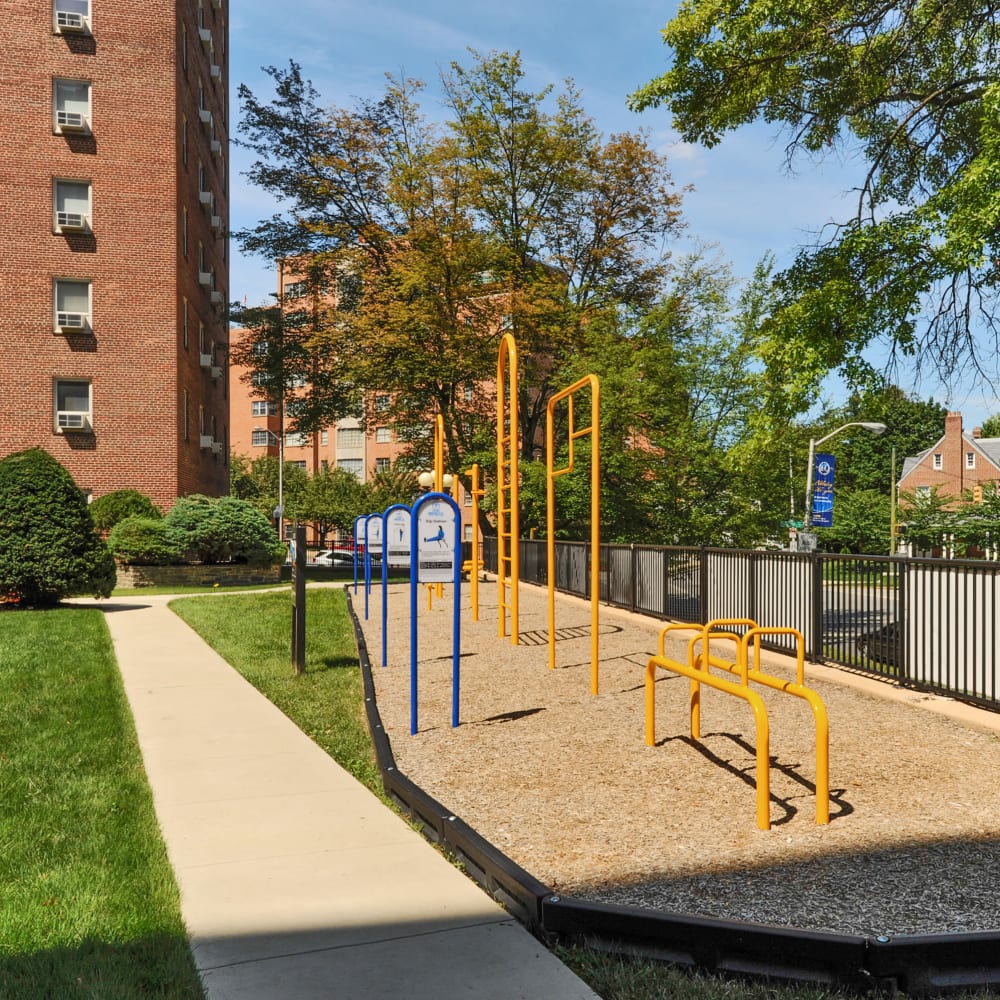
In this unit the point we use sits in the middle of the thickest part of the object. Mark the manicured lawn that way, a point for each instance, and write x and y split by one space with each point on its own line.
88 903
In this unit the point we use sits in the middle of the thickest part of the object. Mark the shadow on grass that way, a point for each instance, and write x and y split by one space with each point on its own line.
332 663
157 966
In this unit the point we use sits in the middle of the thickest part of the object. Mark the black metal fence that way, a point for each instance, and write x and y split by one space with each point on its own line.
931 624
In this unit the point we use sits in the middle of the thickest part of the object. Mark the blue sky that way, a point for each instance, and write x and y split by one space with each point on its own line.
744 200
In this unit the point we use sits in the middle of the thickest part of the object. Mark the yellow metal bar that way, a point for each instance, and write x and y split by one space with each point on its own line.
594 430
750 697
476 492
508 502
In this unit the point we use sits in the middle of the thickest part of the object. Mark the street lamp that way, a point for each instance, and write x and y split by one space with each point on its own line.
279 511
874 427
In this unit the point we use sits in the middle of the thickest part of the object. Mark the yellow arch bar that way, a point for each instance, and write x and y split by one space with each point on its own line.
573 433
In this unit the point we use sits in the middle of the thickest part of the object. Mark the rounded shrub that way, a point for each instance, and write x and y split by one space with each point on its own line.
223 529
49 548
143 541
114 507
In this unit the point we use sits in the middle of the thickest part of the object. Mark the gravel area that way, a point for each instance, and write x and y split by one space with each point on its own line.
562 782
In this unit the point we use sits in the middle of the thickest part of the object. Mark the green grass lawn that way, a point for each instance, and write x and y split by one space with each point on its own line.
88 903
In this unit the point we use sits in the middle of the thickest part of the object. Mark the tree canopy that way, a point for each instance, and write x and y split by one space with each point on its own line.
913 86
513 214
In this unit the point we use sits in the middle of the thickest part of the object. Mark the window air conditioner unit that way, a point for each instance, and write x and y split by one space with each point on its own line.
206 440
217 223
216 371
71 321
71 220
205 115
216 147
216 447
206 38
71 420
217 4
215 71
206 360
71 121
206 197
205 278
67 20
217 298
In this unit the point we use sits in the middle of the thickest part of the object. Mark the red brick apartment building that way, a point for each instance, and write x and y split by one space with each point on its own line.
957 461
362 450
114 278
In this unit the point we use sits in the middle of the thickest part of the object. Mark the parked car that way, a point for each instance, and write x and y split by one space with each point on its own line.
882 645
334 557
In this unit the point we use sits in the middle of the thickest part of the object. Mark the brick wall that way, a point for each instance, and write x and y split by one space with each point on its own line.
134 357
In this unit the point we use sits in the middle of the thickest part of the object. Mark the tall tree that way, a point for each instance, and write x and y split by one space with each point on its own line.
515 214
915 87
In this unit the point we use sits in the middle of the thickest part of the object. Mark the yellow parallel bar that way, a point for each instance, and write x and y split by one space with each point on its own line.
739 691
508 529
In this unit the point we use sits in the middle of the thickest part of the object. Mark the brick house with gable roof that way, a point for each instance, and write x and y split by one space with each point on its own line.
957 461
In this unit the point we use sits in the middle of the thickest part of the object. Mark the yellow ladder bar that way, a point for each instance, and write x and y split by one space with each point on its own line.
508 510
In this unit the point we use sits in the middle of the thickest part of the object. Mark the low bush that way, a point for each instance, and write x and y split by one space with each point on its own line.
115 507
223 529
143 541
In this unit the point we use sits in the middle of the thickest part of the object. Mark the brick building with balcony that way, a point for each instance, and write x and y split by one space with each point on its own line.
114 280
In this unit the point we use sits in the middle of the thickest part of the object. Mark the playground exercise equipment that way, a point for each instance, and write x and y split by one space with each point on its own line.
746 668
508 510
551 474
477 493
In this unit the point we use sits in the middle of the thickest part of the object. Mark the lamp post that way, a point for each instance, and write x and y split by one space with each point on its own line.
874 427
279 511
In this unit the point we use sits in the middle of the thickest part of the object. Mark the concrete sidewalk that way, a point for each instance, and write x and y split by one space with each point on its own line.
296 882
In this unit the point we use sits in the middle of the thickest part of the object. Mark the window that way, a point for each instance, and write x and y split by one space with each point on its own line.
382 465
300 464
71 105
184 231
184 47
468 392
383 435
262 408
350 437
71 205
467 498
938 461
184 140
261 439
72 306
72 399
295 289
324 438
71 16
923 491
295 407
184 322
259 378
202 342
296 440
970 459
353 465
381 403
186 415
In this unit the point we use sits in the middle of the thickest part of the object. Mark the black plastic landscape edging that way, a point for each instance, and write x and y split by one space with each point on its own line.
918 965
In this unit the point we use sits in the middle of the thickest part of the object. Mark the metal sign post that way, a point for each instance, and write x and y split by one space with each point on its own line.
396 534
299 599
435 547
373 546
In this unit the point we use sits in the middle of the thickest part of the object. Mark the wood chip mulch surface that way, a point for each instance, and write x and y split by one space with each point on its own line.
563 783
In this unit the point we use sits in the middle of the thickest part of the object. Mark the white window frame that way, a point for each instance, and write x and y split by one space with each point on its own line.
260 439
67 126
61 318
263 408
296 439
922 491
72 419
63 221
938 460
382 402
71 17
382 465
970 459
356 466
350 438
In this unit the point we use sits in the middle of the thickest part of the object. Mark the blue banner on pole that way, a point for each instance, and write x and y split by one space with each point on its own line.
822 499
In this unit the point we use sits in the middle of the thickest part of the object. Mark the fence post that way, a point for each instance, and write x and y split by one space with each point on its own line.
703 584
815 641
903 630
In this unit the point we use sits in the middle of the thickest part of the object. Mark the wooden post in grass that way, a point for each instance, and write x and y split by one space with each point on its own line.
299 600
